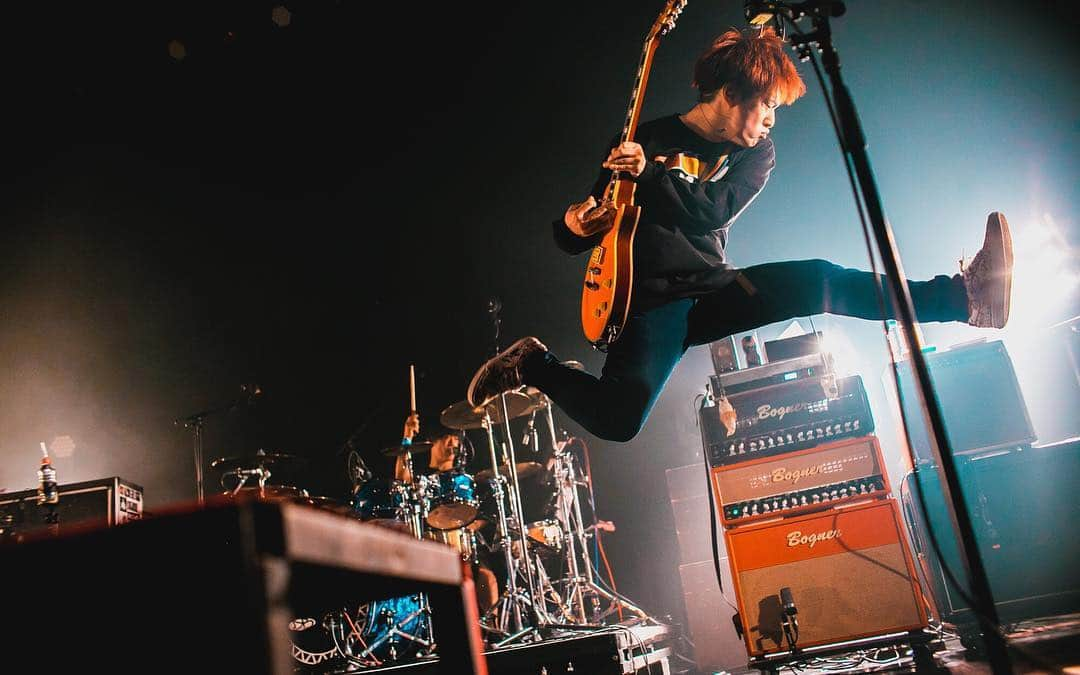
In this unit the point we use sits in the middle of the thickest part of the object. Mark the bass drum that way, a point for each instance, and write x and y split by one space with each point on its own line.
392 631
312 646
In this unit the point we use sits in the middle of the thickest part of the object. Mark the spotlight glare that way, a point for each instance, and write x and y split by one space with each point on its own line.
177 50
281 16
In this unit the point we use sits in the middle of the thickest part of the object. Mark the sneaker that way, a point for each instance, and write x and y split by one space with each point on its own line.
988 277
501 372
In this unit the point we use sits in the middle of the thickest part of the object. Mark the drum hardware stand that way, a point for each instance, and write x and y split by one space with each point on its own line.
367 654
261 473
509 605
578 586
518 511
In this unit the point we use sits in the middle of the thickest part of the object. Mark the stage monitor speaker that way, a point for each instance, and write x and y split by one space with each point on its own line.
717 647
1023 508
980 399
107 501
213 589
849 572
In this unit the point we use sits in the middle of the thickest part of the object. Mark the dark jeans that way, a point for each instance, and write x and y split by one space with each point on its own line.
616 405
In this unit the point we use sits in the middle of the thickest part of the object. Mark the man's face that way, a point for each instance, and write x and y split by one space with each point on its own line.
754 119
444 450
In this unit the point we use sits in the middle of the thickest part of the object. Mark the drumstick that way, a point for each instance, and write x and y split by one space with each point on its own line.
412 389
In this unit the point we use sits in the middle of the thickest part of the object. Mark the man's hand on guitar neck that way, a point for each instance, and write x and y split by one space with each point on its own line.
586 218
626 157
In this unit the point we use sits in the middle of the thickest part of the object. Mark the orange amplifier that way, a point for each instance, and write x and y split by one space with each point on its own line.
799 482
846 573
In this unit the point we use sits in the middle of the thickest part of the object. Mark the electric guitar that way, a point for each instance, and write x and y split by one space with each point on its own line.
609 274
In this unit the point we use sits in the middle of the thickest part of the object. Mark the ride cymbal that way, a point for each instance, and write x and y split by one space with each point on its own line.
461 415
524 470
259 460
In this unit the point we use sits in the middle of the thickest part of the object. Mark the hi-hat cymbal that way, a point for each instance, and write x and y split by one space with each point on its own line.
411 449
524 470
259 460
461 415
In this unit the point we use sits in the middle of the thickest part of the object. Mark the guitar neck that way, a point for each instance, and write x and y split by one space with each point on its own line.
641 79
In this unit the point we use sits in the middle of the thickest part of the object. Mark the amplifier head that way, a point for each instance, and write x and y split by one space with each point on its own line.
798 482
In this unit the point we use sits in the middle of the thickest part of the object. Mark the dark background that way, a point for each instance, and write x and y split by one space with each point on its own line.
315 207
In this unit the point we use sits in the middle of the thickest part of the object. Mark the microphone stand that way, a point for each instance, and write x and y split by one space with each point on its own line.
853 143
195 422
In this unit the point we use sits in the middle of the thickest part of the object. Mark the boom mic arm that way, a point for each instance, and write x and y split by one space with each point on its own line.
760 12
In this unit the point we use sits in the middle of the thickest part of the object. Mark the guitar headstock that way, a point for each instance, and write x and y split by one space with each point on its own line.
665 23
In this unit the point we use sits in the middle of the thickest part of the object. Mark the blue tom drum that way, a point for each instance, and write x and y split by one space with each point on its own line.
452 501
380 502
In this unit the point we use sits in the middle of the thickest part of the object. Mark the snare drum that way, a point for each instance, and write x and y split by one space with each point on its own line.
452 500
461 540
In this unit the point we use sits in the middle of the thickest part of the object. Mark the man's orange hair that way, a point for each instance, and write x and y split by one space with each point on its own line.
747 65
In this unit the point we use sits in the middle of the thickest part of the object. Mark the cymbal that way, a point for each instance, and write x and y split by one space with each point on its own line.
461 415
318 501
524 470
259 460
411 449
283 493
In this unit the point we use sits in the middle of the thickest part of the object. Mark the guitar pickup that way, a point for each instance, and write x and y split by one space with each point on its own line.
597 257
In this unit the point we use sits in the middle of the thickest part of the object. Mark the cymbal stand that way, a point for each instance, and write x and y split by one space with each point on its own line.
519 512
509 605
563 473
579 586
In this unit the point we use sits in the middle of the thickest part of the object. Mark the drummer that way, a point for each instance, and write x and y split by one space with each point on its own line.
445 455
445 450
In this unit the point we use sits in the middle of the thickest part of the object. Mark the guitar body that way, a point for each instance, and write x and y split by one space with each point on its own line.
609 274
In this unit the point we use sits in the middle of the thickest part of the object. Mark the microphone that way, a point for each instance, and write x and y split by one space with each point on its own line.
788 602
529 429
493 305
788 622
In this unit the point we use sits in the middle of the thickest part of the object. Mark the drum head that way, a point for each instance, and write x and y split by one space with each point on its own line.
312 644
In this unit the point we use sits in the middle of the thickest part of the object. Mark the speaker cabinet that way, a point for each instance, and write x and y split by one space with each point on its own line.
717 647
849 570
980 399
1023 507
107 501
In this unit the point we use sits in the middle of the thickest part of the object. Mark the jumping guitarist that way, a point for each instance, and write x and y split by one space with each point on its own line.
693 174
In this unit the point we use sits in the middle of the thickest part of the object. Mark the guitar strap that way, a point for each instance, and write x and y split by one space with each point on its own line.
712 173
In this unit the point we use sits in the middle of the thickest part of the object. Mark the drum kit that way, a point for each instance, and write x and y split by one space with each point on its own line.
548 584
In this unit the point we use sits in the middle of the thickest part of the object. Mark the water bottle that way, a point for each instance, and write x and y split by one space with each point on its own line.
47 490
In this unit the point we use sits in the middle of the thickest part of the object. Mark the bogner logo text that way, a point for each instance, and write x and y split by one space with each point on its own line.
764 412
782 475
797 538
